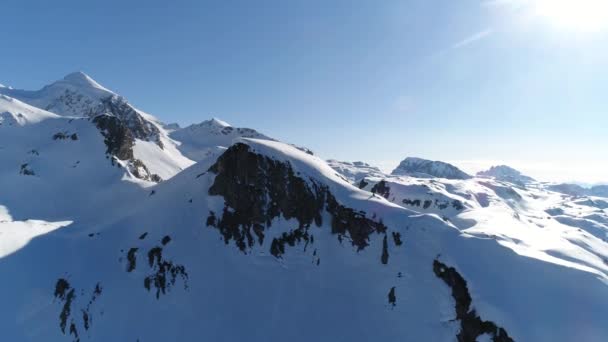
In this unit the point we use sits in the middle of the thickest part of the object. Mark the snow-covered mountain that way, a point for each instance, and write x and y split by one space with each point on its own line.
132 137
199 141
506 174
424 168
355 171
258 240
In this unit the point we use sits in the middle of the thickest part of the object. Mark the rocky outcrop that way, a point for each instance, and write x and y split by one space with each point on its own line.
382 189
120 140
138 126
471 325
118 137
66 294
257 189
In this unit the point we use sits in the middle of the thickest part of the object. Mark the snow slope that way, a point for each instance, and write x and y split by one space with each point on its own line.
259 240
355 171
329 289
78 95
15 112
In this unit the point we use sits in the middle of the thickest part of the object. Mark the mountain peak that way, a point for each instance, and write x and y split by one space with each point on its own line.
505 173
81 79
215 122
418 167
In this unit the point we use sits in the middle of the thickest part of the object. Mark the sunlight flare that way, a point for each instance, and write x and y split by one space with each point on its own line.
580 15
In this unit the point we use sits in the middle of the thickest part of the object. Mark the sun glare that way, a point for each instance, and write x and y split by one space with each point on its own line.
581 15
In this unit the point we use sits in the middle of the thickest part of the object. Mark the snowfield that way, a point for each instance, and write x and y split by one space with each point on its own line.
117 227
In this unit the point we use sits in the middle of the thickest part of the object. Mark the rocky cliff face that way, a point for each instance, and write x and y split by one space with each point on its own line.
258 189
139 127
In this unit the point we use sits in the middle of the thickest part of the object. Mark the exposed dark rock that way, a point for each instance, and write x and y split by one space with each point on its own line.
67 294
139 127
155 253
382 189
384 257
362 183
471 325
118 138
277 247
414 203
140 170
441 205
392 298
74 332
257 189
132 259
61 287
165 273
143 236
65 136
166 239
457 205
155 178
397 238
26 170
211 219
427 204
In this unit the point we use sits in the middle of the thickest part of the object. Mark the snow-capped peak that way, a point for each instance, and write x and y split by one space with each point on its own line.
424 168
505 173
81 79
197 141
216 122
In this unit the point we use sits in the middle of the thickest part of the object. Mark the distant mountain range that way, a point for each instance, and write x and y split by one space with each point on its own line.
115 226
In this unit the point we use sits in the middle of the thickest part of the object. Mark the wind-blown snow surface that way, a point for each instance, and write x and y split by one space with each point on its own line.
261 241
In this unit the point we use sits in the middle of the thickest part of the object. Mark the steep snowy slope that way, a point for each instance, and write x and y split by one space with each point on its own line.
54 167
143 141
267 243
16 113
424 168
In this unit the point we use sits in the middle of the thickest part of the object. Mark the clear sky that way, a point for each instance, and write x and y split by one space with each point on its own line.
523 82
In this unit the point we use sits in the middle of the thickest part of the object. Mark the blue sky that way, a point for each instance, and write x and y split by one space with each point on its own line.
474 82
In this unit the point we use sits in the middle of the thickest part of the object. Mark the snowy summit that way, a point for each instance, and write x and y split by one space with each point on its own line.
419 167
